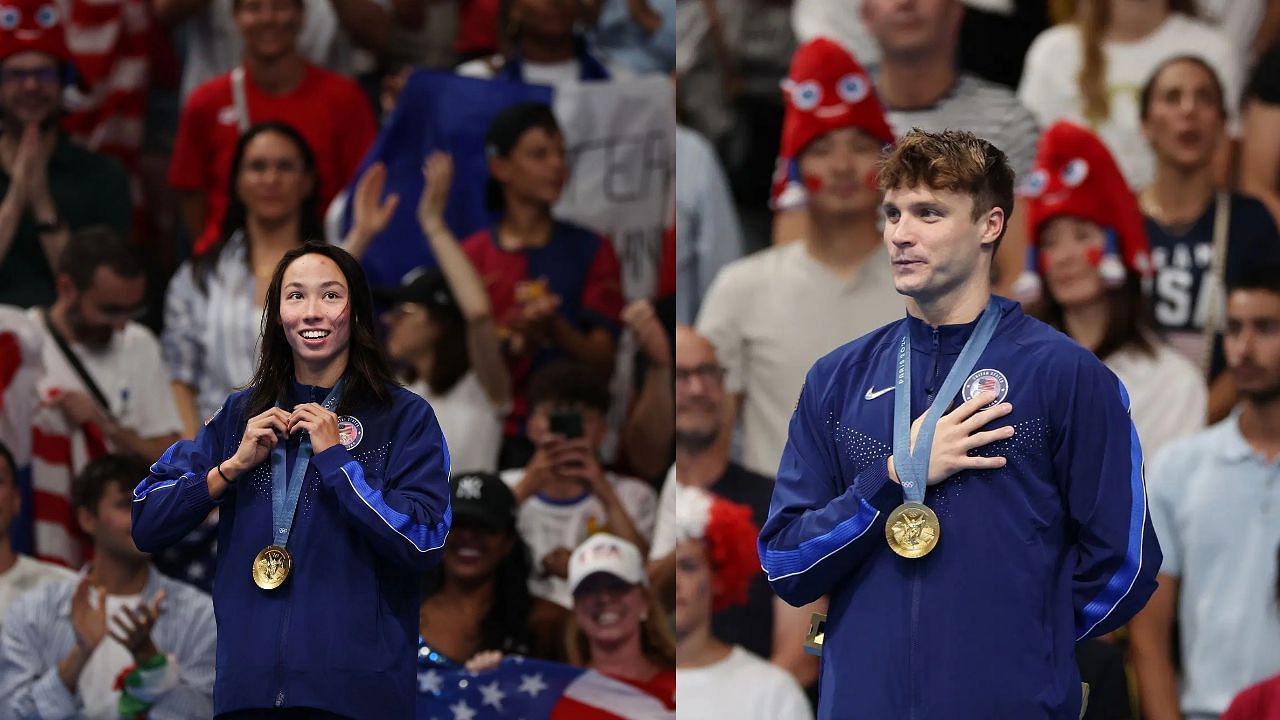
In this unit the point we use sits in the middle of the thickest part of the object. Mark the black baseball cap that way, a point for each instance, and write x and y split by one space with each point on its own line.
425 288
484 498
505 131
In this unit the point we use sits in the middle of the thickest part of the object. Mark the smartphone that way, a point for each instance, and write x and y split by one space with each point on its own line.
566 423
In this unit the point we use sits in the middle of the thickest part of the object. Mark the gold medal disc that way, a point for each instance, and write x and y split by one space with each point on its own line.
271 567
912 530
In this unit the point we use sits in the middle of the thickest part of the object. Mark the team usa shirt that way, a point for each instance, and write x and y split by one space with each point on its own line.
1054 547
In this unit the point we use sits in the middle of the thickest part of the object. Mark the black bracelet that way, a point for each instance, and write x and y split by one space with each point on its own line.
225 479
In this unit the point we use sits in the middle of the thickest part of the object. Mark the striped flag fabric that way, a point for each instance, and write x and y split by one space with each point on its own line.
527 688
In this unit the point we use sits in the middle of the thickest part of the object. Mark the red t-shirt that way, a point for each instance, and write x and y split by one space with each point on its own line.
1259 702
577 265
477 27
329 110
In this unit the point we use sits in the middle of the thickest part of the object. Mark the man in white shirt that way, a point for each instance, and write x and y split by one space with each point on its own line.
772 314
101 287
18 573
1215 505
715 560
65 644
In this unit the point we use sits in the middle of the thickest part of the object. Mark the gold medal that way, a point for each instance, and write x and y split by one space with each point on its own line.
912 530
271 567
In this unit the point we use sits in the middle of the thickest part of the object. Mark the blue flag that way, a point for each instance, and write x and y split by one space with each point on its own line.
436 111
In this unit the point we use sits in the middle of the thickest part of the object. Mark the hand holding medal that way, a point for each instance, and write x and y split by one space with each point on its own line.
316 421
259 439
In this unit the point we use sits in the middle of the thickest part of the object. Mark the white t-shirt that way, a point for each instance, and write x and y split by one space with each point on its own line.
771 315
664 532
1167 395
547 524
130 372
97 681
741 686
1239 19
1050 88
472 424
27 574
214 45
839 20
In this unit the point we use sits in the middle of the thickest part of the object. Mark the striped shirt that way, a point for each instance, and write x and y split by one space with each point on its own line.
211 338
988 110
37 634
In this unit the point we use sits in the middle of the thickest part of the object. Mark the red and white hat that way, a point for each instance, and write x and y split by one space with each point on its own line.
730 535
1075 175
827 89
36 25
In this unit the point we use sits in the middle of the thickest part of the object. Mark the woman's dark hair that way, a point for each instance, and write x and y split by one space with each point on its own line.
1128 322
506 626
1149 88
310 226
368 376
452 360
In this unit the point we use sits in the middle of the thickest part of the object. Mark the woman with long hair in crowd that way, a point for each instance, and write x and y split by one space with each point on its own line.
1090 71
618 628
1088 258
213 308
332 482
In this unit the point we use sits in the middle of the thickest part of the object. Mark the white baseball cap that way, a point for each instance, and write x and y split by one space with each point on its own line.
606 553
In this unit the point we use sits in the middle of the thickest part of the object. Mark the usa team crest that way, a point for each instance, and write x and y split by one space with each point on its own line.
982 381
350 432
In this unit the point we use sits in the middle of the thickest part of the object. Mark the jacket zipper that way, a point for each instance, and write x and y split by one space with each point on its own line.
914 627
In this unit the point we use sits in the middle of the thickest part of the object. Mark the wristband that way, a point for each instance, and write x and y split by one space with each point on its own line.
225 479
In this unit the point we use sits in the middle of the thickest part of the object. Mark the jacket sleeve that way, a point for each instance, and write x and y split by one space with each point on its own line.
174 498
819 529
1098 464
404 510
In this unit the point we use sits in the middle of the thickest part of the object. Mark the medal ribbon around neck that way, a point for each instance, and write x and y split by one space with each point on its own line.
284 497
912 464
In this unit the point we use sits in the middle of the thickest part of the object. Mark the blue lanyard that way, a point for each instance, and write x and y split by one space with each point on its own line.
284 498
912 465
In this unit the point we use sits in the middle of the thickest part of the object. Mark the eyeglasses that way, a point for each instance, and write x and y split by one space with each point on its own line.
19 76
707 373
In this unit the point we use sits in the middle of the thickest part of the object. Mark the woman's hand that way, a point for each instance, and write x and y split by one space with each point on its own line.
261 434
320 424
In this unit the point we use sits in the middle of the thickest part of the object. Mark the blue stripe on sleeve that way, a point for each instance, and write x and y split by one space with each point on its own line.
1122 581
779 564
424 538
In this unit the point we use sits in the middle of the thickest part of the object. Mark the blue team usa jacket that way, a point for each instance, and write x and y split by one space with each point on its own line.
1054 547
341 634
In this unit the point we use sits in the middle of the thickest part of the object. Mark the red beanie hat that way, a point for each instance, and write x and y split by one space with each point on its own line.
1075 175
826 90
35 25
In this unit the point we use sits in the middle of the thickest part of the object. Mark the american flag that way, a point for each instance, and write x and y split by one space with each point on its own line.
48 451
523 688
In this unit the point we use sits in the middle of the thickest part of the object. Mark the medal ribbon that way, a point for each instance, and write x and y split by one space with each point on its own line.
911 464
284 498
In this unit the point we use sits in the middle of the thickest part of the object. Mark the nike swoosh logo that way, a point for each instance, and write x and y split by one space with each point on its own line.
872 395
